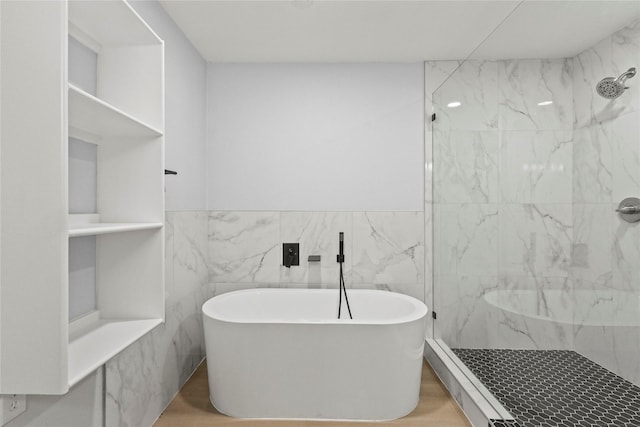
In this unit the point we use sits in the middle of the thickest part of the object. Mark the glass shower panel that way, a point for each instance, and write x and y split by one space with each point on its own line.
465 195
529 165
606 169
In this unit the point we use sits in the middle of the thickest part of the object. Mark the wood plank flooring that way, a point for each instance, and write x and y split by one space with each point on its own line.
191 408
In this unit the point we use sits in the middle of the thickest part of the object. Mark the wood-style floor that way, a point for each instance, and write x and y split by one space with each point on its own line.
191 408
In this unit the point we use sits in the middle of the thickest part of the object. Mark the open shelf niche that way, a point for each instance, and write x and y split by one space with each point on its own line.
41 350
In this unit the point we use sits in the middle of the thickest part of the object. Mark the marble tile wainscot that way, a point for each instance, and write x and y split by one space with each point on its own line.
142 380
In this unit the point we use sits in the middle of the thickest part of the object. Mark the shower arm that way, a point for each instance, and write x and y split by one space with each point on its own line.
626 75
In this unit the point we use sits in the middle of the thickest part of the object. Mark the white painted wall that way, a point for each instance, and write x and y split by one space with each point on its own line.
315 137
83 66
82 276
185 100
83 167
81 407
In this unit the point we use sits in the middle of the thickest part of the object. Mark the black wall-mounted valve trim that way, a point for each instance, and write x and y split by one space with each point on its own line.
290 254
170 172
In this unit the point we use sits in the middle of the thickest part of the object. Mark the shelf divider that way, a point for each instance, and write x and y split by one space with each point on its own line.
90 225
93 115
115 227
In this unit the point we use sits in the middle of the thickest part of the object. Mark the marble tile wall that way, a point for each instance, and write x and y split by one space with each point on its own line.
606 170
526 174
501 194
383 250
215 252
143 379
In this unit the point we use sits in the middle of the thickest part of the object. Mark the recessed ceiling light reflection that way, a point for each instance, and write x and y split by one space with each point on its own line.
543 103
454 104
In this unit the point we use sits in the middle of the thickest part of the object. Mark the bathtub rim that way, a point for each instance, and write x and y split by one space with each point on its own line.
419 312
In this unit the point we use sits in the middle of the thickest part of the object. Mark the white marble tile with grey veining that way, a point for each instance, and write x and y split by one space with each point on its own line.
428 265
607 160
428 166
190 246
465 240
625 54
388 247
626 252
592 247
535 239
468 100
606 308
223 288
589 67
318 234
185 338
534 313
535 166
535 94
143 378
623 135
134 389
244 246
536 283
609 58
414 290
462 311
428 299
161 341
465 166
592 165
435 74
519 332
168 254
614 347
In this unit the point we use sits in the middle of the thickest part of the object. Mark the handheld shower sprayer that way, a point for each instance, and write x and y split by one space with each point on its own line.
343 288
611 88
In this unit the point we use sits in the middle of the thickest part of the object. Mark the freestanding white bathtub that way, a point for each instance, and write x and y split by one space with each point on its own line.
281 353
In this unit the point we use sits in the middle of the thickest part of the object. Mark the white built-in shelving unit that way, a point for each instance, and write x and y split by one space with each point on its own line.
41 350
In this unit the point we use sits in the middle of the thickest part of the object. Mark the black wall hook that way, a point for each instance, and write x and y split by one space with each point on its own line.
168 172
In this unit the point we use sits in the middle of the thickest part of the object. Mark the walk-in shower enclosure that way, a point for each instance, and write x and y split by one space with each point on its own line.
528 166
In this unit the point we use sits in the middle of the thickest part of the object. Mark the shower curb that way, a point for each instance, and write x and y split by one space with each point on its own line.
479 411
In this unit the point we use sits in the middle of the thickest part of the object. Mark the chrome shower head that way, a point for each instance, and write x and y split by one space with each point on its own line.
611 88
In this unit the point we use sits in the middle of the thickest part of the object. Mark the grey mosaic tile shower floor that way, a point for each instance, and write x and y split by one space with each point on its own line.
555 388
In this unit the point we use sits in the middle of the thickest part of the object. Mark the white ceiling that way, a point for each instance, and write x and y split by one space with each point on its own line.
396 30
